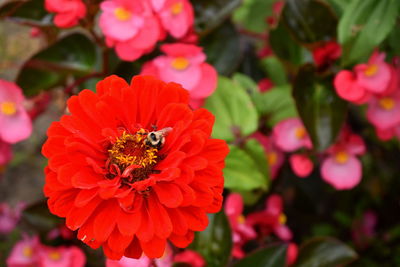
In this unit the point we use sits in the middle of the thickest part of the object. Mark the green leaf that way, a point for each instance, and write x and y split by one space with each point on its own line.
39 217
222 48
75 55
275 70
324 252
214 243
256 151
235 113
252 14
364 25
278 104
321 110
210 14
27 11
284 46
309 21
273 256
242 172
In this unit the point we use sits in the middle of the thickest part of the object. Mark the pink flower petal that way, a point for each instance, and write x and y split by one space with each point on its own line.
342 175
347 87
301 165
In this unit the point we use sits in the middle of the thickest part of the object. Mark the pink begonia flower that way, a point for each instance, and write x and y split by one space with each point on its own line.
9 217
271 219
24 253
347 87
184 64
275 157
384 112
242 231
327 53
177 17
342 169
5 153
301 165
68 12
374 76
387 134
130 26
190 257
290 135
60 256
15 124
292 253
265 85
165 261
363 229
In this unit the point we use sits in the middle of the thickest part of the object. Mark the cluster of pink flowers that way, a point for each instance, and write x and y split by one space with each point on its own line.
376 84
270 220
30 252
9 217
340 166
15 124
133 27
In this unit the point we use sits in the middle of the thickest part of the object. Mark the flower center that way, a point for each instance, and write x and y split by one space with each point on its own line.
282 218
54 255
177 8
371 70
300 132
8 108
27 252
180 63
341 157
387 103
241 219
272 158
131 157
122 14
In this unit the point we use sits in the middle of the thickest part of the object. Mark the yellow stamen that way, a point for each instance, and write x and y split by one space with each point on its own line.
54 255
387 103
122 14
272 158
282 218
300 132
130 149
177 8
341 157
241 219
371 70
27 252
180 63
8 108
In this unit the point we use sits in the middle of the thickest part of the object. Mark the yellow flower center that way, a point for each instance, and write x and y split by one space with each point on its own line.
180 63
122 14
300 132
54 255
282 218
371 70
272 158
387 103
341 157
177 8
8 108
130 149
27 252
241 219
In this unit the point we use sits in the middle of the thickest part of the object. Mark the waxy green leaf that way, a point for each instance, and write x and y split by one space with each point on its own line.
321 110
273 256
214 243
325 251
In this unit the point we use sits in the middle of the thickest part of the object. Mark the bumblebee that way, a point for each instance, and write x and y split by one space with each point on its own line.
156 139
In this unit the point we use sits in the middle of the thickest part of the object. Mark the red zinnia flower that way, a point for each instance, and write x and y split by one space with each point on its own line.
133 166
